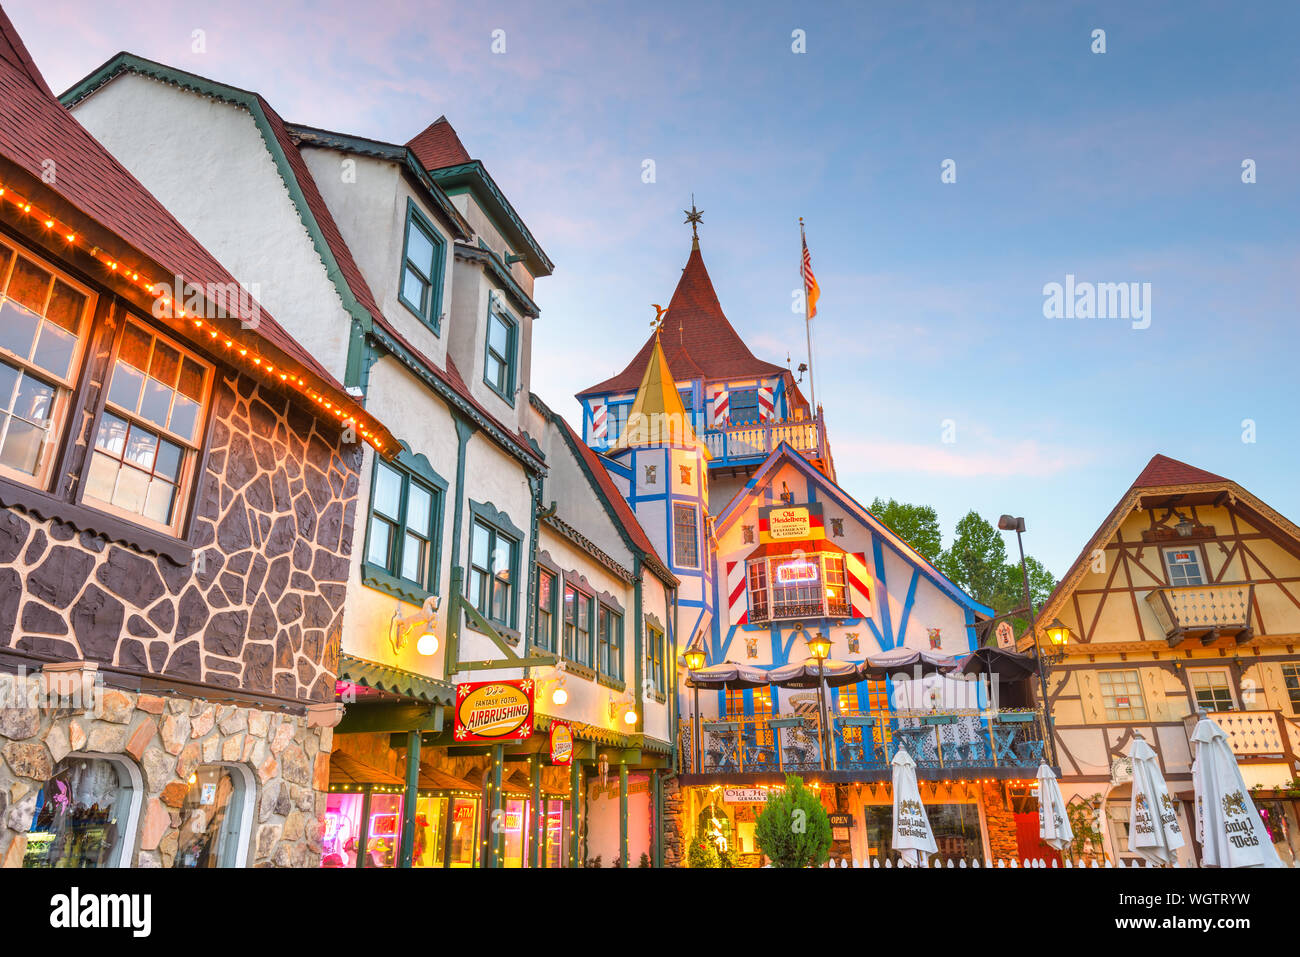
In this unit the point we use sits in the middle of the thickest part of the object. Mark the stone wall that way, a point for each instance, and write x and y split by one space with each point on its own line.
674 831
261 607
167 738
1001 821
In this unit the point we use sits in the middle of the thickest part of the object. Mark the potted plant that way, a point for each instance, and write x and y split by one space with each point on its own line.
793 829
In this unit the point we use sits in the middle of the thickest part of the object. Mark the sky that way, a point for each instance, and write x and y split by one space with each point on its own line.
944 380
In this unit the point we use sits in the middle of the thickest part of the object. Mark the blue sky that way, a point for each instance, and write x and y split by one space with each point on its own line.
1115 167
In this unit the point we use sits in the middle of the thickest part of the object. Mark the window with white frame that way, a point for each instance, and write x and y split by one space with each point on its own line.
85 815
1121 695
801 585
1212 689
686 531
1184 566
43 321
147 439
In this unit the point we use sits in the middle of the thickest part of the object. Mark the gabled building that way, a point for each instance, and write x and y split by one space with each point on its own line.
178 484
729 473
1185 599
741 407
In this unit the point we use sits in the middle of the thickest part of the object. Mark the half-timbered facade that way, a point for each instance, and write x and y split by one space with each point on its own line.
1186 599
178 482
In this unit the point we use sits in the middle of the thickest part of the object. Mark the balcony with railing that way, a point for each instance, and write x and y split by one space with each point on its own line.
1254 736
1207 612
754 441
1002 743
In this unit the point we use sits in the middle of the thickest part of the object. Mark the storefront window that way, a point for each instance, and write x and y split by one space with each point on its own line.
514 839
383 838
800 586
211 819
430 831
556 827
464 832
956 829
1280 821
342 830
81 816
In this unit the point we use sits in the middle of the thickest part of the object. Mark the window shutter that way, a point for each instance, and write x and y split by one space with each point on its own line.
599 419
766 406
720 410
737 594
855 569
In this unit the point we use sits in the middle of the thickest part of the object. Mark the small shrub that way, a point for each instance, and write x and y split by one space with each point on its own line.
702 853
794 830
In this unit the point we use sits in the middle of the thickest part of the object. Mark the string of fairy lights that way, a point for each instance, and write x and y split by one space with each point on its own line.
176 311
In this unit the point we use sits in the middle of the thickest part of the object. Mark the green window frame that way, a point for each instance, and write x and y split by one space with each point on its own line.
493 573
609 657
419 285
654 658
500 351
404 528
578 616
546 598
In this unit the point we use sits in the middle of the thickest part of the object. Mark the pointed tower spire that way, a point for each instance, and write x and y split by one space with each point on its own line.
658 416
694 217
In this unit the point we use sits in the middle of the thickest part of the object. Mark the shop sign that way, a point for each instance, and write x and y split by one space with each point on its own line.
747 795
1006 635
793 572
785 523
561 743
841 826
1121 771
494 710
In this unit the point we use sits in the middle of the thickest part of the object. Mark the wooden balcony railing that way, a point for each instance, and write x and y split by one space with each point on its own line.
1251 734
1207 612
758 439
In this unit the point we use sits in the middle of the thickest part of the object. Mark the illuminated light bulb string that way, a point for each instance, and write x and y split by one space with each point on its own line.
176 311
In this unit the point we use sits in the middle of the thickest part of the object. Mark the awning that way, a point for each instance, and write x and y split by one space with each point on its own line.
1012 665
890 662
809 546
395 681
347 770
805 674
436 779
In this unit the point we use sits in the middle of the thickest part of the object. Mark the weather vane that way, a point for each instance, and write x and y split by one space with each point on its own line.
694 217
660 314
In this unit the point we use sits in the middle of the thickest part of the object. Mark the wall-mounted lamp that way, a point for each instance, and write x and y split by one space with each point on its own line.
624 706
423 623
554 682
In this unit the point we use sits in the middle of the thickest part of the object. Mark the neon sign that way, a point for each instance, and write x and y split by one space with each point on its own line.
796 571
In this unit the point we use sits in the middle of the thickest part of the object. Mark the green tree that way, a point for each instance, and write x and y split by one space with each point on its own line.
1010 594
918 525
977 558
794 830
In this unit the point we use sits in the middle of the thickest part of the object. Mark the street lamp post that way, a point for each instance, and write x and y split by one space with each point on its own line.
1010 523
694 658
819 647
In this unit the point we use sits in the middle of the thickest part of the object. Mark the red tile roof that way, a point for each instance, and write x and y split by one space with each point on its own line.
610 491
1162 470
439 146
34 128
696 336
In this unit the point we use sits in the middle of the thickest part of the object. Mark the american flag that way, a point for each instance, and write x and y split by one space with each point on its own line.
811 290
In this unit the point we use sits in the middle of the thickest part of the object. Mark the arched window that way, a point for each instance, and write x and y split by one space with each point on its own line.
86 814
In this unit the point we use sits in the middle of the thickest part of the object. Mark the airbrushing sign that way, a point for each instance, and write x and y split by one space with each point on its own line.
561 743
494 710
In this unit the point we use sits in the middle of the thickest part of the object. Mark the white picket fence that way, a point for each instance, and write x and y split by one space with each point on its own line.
1012 863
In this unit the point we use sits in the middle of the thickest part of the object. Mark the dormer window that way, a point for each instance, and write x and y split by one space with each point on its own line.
422 259
499 363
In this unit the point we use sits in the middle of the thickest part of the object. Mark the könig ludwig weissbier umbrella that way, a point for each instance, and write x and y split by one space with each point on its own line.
1054 827
1153 817
913 838
1227 824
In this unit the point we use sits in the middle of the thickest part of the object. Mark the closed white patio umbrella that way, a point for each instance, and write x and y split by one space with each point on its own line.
913 838
1227 823
1153 816
1054 827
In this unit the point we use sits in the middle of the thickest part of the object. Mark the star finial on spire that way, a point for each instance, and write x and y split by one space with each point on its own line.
694 217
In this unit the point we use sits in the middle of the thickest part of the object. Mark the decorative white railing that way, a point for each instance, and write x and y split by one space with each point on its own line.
1250 733
748 441
1202 607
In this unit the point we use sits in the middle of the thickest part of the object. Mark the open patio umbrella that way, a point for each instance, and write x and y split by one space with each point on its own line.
913 838
885 664
1230 830
804 674
1010 665
729 675
1053 822
1153 818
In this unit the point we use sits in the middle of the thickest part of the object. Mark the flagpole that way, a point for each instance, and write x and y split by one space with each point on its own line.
807 321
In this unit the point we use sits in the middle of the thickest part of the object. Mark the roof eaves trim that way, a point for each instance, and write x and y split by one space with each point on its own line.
477 171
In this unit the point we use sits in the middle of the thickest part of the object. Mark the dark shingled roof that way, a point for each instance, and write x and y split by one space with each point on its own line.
439 146
1162 470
